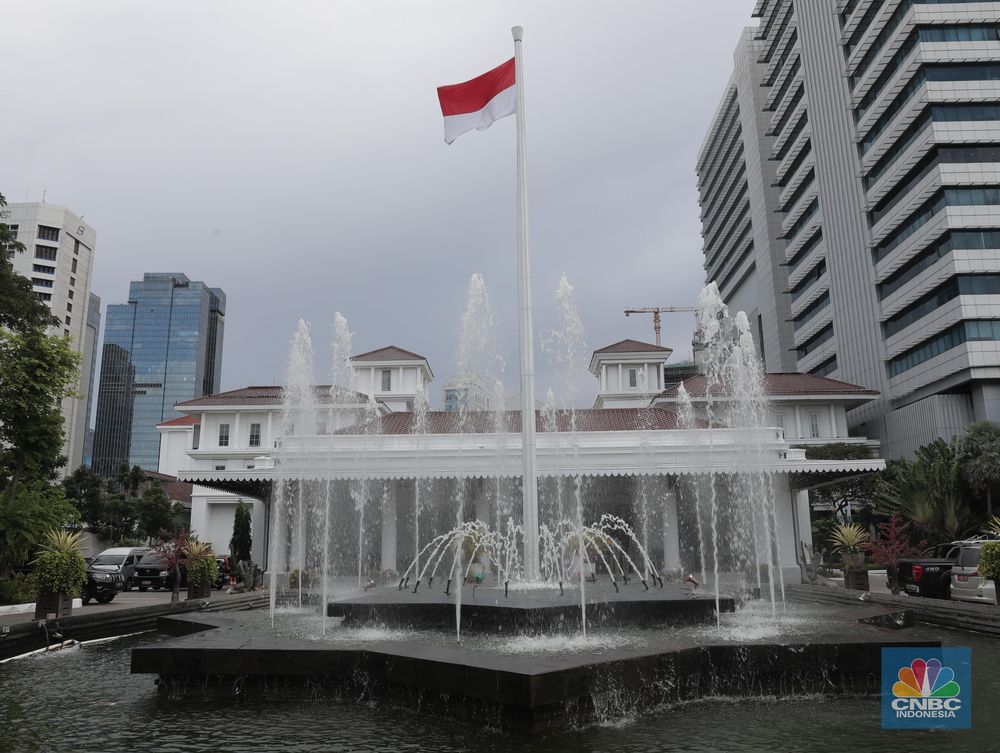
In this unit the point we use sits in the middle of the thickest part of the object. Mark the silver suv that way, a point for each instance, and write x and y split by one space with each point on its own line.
966 583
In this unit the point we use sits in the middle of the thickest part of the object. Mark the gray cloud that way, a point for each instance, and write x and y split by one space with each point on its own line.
292 154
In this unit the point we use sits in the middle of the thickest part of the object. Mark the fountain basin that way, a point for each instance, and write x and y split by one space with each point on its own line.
486 682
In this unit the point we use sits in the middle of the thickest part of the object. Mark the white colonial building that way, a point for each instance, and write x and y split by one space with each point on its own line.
629 373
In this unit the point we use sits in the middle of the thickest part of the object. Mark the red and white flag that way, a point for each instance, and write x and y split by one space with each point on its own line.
479 102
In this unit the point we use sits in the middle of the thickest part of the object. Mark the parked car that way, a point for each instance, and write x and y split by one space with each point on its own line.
102 586
121 560
152 572
966 583
928 575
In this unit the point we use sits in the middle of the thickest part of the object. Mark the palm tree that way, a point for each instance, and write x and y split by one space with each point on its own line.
979 452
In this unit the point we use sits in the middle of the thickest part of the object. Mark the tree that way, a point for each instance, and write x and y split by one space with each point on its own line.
926 491
21 310
851 492
85 489
241 544
37 507
156 516
38 371
979 451
891 545
174 553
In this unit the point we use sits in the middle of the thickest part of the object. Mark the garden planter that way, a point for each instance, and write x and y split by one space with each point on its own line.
60 604
199 591
856 579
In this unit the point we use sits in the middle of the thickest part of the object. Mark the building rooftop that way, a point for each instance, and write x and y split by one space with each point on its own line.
388 353
182 421
633 346
266 395
781 384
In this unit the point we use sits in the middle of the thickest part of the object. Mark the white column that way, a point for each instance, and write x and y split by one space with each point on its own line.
389 527
604 377
798 423
621 384
234 441
803 521
270 430
671 533
833 420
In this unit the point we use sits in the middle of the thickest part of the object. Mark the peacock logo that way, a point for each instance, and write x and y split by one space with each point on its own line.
926 678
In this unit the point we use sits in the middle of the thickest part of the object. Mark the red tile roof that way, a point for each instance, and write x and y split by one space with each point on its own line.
388 353
176 491
267 395
484 422
182 421
633 346
781 384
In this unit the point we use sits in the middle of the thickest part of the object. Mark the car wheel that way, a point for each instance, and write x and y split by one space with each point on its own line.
105 598
84 599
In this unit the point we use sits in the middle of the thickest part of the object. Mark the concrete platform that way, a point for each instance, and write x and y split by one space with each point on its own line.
489 609
526 691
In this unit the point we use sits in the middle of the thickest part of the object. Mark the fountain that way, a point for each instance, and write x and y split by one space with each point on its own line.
429 496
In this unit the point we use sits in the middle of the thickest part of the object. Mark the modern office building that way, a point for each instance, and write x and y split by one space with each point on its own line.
162 347
59 259
882 135
466 393
88 372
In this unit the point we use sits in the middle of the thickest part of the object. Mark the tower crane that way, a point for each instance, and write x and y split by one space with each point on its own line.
656 311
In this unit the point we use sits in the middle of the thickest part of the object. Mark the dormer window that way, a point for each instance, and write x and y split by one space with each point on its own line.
386 380
633 377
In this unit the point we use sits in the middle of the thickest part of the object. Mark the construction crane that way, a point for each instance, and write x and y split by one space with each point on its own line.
656 311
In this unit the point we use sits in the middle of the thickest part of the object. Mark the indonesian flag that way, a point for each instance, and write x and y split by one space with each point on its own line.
479 102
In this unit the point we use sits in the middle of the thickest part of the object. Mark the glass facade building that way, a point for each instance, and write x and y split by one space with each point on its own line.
162 347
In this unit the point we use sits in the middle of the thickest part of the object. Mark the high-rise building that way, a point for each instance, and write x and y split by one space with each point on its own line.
162 347
58 259
880 158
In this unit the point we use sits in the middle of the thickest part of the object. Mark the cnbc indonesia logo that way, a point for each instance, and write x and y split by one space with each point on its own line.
926 692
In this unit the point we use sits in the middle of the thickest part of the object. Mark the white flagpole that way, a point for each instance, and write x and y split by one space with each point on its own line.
529 480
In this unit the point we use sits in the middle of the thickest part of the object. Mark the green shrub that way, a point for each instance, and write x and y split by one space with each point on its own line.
60 571
202 567
18 589
989 560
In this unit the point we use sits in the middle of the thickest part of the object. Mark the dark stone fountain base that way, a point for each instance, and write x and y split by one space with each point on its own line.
491 610
484 681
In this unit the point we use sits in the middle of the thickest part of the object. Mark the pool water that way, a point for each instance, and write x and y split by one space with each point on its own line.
84 699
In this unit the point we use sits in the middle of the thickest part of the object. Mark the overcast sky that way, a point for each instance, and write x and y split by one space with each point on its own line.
292 153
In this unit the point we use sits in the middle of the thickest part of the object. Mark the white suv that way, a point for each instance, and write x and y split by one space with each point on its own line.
966 583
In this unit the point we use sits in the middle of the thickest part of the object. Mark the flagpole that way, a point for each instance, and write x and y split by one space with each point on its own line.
529 480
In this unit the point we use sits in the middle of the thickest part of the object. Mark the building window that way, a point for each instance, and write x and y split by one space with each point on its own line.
72 281
386 380
814 425
195 437
76 246
65 333
44 296
255 435
73 267
69 306
47 233
633 378
779 420
69 294
43 269
321 427
41 283
68 322
45 252
12 229
223 435
220 467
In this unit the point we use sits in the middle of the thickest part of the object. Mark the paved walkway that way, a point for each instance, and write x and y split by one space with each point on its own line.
124 600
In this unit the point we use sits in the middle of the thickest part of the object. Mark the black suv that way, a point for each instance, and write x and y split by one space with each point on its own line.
102 586
152 572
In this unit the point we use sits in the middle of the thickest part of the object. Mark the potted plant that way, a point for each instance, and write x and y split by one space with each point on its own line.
989 564
202 569
848 540
60 573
